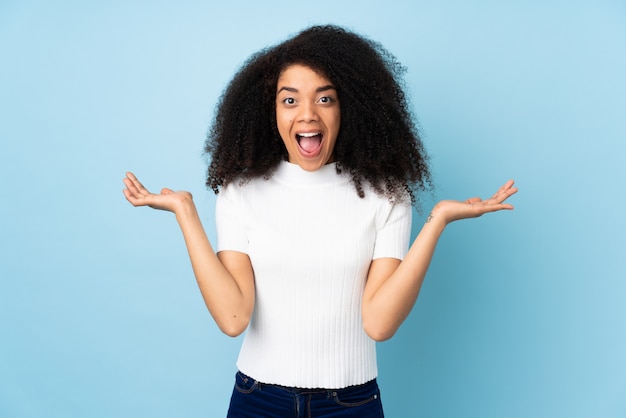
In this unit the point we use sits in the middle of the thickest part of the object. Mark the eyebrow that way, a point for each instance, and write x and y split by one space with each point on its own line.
317 90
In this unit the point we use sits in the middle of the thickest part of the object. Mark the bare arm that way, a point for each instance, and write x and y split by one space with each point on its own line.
226 281
393 286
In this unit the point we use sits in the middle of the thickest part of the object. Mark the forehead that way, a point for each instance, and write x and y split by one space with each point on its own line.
300 73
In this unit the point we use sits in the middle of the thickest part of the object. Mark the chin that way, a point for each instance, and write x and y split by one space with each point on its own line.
310 166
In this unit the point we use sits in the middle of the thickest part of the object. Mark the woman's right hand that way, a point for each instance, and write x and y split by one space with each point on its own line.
226 281
168 199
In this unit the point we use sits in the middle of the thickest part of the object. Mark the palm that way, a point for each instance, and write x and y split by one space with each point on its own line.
454 210
138 195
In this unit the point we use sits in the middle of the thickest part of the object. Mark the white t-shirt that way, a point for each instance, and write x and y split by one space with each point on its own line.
311 240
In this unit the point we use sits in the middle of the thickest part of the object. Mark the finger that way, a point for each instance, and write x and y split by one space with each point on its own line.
135 193
136 184
132 198
131 188
506 191
506 186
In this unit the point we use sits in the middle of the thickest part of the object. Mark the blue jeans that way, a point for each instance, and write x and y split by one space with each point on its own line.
253 399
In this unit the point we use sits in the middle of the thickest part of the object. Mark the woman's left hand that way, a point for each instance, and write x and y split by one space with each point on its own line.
454 210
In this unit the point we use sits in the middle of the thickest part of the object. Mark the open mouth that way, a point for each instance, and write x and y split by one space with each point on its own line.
309 142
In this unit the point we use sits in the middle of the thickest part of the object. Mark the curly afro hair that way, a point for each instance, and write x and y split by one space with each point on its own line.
378 142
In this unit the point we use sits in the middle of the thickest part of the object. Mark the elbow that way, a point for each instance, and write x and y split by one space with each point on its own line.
378 326
233 328
232 331
378 332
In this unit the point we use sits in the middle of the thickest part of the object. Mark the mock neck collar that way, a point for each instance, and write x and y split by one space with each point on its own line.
293 174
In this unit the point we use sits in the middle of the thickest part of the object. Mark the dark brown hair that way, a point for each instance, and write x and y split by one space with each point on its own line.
378 142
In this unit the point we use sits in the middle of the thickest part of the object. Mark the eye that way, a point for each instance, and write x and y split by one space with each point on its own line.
325 99
289 101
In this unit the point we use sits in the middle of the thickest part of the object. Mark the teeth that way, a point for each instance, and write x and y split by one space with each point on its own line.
309 134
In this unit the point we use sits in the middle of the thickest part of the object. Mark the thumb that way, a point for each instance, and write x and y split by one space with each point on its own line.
165 190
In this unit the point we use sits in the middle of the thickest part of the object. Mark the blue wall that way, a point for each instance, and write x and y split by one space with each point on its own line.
522 313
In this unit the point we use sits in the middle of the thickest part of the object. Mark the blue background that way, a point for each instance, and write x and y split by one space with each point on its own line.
522 313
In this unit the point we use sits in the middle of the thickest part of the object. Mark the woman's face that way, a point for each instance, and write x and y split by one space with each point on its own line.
307 115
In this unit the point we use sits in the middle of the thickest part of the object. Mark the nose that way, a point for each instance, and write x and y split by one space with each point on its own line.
308 112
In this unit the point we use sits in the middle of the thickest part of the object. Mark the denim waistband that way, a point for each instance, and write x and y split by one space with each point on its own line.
302 391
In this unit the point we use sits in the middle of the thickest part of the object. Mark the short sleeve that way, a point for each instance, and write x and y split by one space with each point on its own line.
393 231
231 235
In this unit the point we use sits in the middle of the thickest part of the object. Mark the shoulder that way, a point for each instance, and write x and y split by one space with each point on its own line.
240 185
248 193
389 209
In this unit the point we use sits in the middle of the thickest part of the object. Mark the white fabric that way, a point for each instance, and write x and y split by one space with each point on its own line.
311 240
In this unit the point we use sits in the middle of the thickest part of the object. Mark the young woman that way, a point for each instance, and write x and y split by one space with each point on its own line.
316 162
